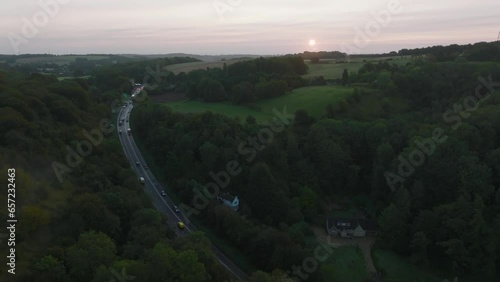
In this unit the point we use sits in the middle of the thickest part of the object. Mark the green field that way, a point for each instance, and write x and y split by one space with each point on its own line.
313 99
397 268
329 69
72 77
345 264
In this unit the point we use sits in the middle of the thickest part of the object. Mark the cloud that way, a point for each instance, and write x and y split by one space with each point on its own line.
263 27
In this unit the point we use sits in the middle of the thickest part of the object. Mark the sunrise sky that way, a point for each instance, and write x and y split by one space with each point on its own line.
248 27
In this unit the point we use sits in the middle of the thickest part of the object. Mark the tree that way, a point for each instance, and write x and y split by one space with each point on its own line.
50 269
419 246
34 217
164 261
265 196
208 154
188 267
121 271
243 93
161 262
211 90
260 276
202 246
250 120
89 252
309 202
146 229
269 89
345 77
94 215
393 229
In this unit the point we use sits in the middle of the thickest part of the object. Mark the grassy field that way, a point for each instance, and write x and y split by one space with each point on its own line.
396 268
329 69
72 77
345 264
313 99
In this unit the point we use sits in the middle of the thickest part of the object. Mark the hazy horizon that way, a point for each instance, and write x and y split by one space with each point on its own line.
211 27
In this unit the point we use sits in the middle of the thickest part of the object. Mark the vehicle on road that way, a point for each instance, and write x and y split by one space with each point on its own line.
129 131
180 225
120 132
145 167
163 193
142 180
137 163
176 209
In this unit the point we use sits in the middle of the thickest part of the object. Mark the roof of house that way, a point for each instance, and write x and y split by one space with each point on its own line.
342 223
349 223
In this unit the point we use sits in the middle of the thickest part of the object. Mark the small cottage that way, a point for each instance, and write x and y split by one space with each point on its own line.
346 228
229 200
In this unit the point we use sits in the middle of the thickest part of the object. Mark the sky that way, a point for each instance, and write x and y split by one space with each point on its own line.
264 27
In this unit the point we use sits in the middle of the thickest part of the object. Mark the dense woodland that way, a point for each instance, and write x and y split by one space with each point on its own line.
443 212
446 212
98 221
481 51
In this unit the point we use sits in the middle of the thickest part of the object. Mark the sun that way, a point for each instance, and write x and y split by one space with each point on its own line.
312 42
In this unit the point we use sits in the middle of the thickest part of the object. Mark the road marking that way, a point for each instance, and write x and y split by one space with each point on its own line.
132 148
147 176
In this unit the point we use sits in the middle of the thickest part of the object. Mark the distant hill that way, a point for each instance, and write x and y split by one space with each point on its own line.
205 58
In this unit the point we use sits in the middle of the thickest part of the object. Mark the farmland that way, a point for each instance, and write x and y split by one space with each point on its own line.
331 69
312 99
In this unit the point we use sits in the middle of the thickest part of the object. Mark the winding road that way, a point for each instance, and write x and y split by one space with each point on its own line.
153 188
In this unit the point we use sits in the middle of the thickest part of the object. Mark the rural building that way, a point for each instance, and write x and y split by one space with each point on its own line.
345 228
229 200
